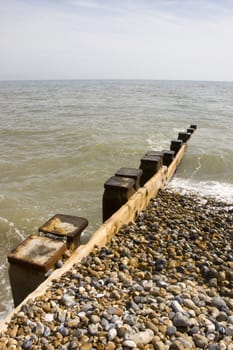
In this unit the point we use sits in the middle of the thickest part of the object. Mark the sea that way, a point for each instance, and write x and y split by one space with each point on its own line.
60 141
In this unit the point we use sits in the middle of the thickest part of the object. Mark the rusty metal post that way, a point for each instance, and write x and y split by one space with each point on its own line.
29 263
176 145
131 173
117 192
149 165
66 227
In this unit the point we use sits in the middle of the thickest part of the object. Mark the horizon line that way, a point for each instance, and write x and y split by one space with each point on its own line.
115 79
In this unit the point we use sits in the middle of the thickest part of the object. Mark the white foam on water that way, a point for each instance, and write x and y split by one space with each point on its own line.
157 143
219 190
12 229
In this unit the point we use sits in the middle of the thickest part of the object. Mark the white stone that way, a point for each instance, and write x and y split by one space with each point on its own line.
48 317
129 344
143 337
112 333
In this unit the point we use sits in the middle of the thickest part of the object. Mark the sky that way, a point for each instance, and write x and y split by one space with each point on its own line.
116 39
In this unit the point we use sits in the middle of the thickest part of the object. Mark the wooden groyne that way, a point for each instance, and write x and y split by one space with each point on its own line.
128 201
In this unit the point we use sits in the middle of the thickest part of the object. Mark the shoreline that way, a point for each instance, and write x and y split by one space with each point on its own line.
164 281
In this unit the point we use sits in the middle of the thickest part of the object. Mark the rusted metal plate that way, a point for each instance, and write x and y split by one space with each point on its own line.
37 252
64 225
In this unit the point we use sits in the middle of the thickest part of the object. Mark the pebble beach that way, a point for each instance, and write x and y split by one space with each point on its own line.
164 282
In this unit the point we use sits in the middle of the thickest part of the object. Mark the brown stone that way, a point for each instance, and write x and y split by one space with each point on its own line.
151 326
110 346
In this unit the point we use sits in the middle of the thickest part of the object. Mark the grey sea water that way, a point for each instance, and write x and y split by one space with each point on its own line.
61 140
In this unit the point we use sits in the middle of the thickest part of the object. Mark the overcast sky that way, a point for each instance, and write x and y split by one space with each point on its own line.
116 39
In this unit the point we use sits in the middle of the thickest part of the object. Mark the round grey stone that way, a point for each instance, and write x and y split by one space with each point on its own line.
171 330
180 320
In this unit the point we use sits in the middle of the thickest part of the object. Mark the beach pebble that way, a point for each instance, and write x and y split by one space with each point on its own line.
67 300
159 345
171 331
93 329
219 303
176 345
180 320
143 337
129 343
112 333
200 340
176 306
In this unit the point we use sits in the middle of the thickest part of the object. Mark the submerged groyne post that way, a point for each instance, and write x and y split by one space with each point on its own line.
150 165
66 227
132 173
30 261
117 192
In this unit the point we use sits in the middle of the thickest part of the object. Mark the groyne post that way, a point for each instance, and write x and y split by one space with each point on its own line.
29 263
66 227
154 154
168 157
132 173
150 165
193 126
117 192
176 145
184 136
